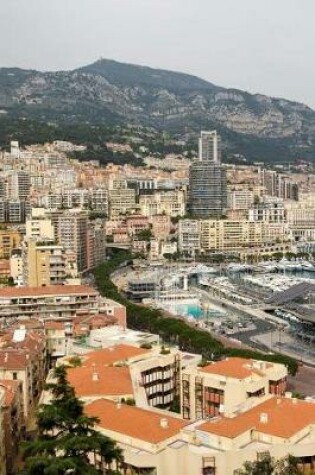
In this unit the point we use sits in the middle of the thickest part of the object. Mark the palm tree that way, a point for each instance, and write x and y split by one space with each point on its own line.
67 442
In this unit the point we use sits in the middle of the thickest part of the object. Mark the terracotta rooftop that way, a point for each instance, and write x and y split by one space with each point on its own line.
11 387
49 290
100 381
13 359
112 355
277 416
134 422
33 341
239 368
54 325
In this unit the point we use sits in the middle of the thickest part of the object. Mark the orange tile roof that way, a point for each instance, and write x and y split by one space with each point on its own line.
141 424
239 368
15 292
33 342
54 325
112 381
285 417
11 387
14 359
112 355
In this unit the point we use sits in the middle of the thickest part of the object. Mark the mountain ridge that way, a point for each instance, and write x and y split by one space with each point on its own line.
108 91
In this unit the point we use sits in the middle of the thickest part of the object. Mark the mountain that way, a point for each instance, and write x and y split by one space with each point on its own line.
110 92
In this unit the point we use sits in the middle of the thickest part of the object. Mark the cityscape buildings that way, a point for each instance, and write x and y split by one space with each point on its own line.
171 411
207 179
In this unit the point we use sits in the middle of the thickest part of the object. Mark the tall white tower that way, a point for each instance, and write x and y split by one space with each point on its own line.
210 147
15 149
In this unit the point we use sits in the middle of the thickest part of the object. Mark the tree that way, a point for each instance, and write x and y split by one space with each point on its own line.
269 466
144 235
67 442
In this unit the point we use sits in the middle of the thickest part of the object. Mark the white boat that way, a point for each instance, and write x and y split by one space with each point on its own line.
238 267
307 266
289 266
268 267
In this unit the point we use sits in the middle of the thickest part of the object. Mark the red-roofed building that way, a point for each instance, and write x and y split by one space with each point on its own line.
23 358
145 426
229 385
114 354
155 442
13 422
96 382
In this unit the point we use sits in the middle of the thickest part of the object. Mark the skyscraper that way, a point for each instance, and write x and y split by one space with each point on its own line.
210 147
207 179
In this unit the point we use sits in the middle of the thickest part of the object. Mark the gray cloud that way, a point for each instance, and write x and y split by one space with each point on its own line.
261 46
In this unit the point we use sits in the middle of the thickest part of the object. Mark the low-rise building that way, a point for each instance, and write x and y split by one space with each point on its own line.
229 386
170 203
189 233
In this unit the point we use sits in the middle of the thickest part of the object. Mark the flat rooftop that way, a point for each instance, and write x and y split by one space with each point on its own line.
46 291
114 335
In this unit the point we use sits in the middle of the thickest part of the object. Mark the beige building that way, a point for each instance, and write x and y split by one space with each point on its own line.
240 199
237 411
159 443
228 235
43 264
161 226
9 240
16 267
171 203
225 235
40 228
49 301
122 201
73 235
229 386
189 234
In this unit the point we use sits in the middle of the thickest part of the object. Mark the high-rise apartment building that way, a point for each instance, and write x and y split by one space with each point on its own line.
43 264
72 232
210 147
279 185
207 179
207 190
19 185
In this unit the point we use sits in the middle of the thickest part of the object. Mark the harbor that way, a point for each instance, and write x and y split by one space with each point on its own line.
235 302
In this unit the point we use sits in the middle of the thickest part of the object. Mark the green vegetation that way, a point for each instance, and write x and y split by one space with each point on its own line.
75 361
174 331
144 235
268 466
67 442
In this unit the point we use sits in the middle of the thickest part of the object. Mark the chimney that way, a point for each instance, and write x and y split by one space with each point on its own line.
95 376
263 418
164 423
118 405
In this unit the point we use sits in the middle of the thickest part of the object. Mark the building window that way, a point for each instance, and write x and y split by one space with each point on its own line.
14 375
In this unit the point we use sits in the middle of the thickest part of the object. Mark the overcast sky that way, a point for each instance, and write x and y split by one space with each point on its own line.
264 46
